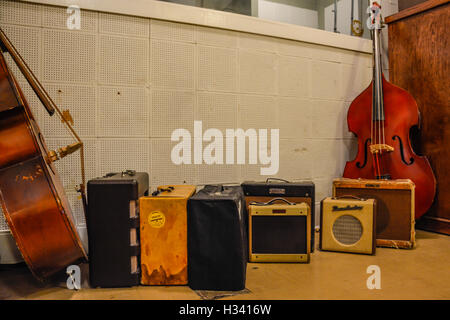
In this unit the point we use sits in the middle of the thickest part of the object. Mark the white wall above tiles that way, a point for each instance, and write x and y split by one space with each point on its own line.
130 81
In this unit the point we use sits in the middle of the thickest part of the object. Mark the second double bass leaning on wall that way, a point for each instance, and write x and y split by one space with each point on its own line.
31 194
382 117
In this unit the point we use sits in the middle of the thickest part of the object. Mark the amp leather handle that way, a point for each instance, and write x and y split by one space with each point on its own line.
276 179
348 196
271 202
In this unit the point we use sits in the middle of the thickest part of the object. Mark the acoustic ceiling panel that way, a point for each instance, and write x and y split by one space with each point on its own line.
68 56
123 60
123 112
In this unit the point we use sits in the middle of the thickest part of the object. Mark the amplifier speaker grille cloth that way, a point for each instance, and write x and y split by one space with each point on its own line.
347 229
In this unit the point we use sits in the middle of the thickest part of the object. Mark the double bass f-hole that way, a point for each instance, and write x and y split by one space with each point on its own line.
366 145
411 160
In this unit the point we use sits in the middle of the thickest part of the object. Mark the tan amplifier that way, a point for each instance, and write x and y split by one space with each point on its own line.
163 230
348 225
279 232
395 207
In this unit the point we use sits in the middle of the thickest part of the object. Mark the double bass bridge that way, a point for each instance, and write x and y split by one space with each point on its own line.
380 148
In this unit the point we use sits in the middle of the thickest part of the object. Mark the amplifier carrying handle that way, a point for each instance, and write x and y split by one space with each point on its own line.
168 189
270 202
348 196
276 179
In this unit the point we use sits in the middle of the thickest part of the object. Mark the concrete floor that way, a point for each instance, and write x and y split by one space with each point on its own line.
421 273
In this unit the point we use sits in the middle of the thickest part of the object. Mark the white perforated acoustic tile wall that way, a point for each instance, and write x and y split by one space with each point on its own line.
69 168
68 56
79 100
129 82
264 81
257 112
27 41
217 110
125 25
217 69
164 171
171 31
172 64
57 17
123 112
16 12
119 64
117 155
217 37
76 204
171 110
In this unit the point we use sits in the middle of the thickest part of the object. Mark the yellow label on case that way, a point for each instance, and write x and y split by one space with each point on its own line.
156 219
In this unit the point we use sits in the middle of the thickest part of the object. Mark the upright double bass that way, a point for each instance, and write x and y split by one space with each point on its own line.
382 117
31 194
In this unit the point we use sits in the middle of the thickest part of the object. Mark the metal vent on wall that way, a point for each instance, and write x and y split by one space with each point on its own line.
347 230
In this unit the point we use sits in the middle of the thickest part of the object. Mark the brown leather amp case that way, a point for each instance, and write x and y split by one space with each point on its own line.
395 207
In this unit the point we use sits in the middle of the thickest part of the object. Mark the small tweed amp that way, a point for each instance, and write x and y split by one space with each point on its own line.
347 224
279 232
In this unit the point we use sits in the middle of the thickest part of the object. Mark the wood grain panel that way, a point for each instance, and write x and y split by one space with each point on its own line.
419 63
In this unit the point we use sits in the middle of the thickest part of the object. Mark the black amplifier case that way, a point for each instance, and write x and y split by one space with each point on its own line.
217 256
113 228
296 192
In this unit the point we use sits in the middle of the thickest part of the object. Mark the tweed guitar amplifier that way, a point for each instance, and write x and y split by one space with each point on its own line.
217 239
164 235
279 231
395 207
297 192
113 228
348 224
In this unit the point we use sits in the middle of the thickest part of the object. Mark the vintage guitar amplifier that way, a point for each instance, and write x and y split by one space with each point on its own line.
297 192
348 224
217 239
279 231
395 207
113 228
164 235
